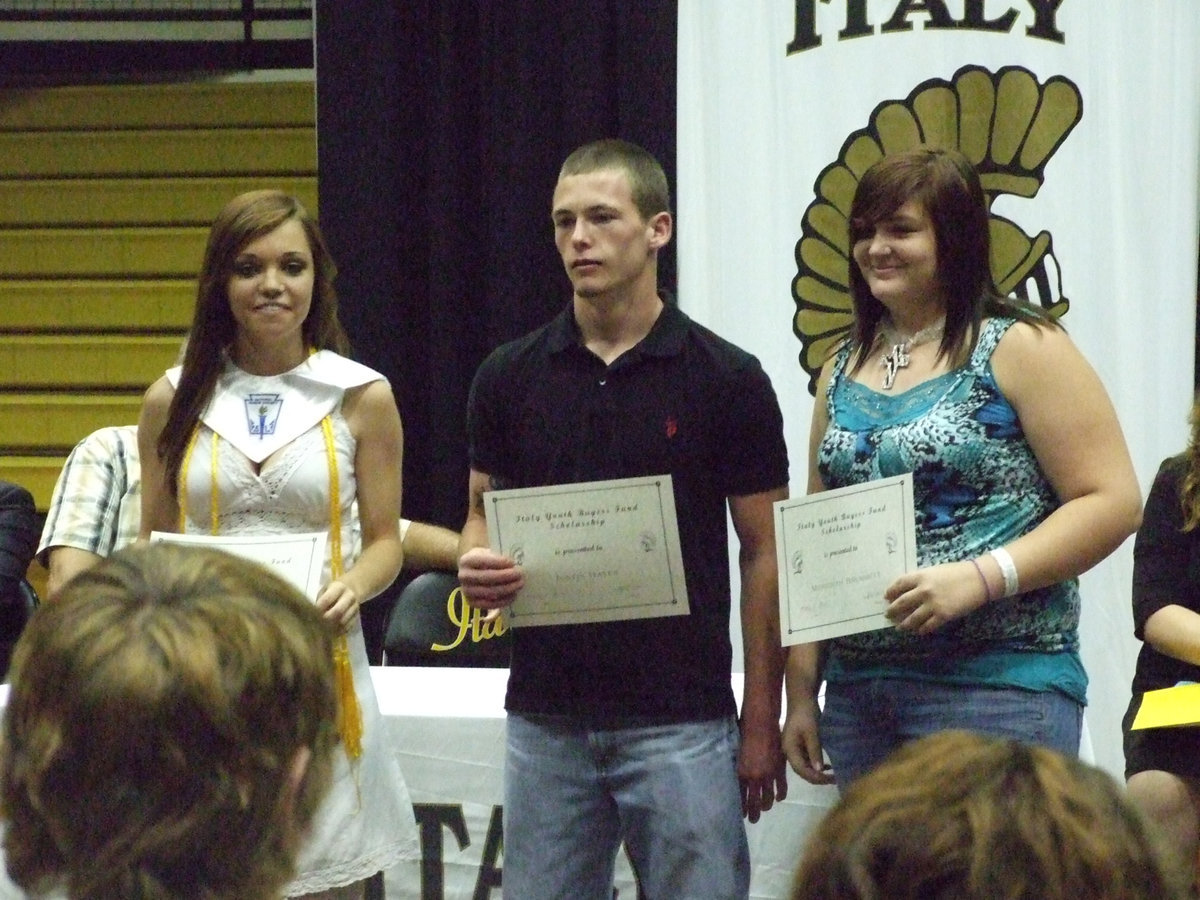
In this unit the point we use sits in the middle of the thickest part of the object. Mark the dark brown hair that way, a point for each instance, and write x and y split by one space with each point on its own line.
961 816
244 219
647 180
1189 485
947 185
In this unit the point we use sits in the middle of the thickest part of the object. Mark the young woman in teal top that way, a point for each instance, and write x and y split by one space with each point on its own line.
1021 482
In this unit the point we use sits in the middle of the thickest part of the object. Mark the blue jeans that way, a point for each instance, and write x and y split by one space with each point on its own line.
572 794
862 722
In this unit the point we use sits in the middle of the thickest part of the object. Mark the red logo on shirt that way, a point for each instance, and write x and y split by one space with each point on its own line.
672 427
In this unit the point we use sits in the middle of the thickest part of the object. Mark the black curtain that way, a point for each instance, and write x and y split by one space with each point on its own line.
441 126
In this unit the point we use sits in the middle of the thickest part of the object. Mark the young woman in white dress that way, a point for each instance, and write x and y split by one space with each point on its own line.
268 429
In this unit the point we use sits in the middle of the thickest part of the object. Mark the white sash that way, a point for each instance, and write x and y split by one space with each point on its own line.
259 414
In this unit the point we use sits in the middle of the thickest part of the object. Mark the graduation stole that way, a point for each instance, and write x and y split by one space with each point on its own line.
350 722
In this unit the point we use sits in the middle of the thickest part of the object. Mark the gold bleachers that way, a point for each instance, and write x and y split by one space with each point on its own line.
75 305
188 200
124 252
53 419
197 104
70 363
106 192
140 151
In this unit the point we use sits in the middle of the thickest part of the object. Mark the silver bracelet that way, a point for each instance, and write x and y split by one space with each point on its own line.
1008 569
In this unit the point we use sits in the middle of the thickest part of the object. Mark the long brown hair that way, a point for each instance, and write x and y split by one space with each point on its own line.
1189 486
946 183
244 219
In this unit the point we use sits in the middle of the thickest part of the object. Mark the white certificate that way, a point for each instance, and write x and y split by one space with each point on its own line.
838 551
598 551
296 558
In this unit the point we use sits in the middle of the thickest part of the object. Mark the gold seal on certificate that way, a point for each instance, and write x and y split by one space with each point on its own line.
597 551
837 552
296 558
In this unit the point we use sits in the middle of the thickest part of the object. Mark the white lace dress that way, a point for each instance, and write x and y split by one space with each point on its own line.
366 823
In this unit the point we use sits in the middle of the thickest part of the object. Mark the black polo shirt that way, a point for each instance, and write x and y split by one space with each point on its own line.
685 402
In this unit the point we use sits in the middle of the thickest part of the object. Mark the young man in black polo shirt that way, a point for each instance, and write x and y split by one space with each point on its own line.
628 731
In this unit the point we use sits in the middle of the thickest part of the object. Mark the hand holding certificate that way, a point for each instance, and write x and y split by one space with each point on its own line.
837 552
591 552
296 558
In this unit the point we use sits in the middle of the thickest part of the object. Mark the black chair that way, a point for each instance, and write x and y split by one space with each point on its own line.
430 624
18 601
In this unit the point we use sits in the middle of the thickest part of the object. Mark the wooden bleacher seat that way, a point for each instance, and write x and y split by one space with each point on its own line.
102 202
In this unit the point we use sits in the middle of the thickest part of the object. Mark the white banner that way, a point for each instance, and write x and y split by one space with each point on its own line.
1084 117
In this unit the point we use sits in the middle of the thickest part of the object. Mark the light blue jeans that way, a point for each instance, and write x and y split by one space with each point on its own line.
863 721
572 794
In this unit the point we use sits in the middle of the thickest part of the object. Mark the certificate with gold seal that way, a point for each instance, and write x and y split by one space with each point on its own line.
837 552
597 551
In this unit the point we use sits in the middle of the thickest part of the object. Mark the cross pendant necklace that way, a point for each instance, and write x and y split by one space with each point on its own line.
895 360
898 357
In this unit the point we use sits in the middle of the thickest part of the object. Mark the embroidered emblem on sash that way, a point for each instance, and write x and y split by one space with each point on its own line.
262 413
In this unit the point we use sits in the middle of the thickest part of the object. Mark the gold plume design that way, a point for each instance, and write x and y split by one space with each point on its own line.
1006 122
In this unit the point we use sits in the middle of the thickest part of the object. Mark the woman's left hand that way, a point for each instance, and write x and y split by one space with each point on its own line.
925 600
339 604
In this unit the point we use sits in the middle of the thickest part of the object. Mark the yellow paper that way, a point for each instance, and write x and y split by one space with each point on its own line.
1169 707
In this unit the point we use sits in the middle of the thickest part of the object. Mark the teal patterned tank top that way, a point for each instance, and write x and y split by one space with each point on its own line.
976 485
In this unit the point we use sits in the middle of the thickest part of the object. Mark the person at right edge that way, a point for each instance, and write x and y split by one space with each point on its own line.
1162 765
626 731
1021 482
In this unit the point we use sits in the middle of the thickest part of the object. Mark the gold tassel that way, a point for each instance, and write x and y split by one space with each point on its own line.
350 723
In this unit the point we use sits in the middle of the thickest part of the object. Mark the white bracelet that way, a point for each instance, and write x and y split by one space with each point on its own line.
1008 569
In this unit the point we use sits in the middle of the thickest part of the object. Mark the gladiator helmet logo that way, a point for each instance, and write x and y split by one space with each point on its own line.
1007 123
